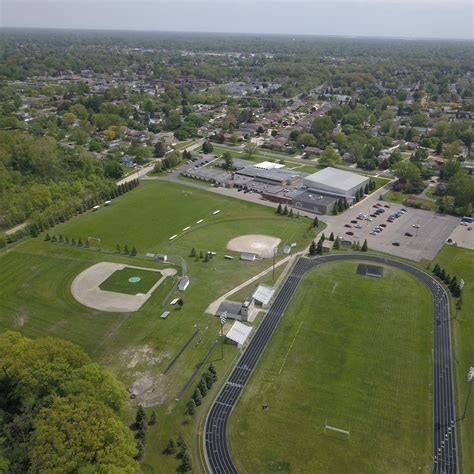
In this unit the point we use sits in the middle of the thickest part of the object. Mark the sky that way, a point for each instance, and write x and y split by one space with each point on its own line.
379 18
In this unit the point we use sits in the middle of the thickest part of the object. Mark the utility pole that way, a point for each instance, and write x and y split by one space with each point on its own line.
273 270
470 378
223 319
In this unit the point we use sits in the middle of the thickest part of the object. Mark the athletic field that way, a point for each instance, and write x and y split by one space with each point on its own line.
352 352
36 276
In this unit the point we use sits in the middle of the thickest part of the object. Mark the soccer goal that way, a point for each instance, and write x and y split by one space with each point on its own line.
94 243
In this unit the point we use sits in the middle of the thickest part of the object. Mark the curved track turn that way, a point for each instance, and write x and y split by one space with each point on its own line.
218 456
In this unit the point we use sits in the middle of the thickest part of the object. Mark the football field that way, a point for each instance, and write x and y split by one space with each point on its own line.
351 352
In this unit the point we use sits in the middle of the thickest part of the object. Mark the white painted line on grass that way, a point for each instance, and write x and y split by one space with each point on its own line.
216 212
199 221
173 236
187 228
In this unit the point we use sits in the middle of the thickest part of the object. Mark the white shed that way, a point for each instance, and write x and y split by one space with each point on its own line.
239 334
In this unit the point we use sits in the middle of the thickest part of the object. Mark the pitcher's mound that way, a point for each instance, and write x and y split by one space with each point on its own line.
258 244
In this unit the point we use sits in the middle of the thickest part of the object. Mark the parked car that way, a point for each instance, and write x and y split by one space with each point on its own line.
348 225
416 226
373 215
358 226
397 244
383 225
408 234
349 233
354 222
386 206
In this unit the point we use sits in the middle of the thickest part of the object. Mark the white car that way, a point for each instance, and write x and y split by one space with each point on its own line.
373 233
416 226
358 226
368 219
463 223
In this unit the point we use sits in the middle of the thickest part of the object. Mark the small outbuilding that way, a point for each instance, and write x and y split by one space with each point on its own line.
183 283
239 334
249 257
263 295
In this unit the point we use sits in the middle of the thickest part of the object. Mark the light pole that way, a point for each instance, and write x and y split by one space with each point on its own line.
470 378
275 250
223 319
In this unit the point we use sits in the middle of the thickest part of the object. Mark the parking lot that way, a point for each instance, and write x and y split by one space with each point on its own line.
428 230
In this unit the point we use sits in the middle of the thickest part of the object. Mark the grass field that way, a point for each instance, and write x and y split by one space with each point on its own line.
35 298
119 281
460 262
353 351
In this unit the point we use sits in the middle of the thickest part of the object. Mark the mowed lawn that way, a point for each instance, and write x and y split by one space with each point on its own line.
119 281
352 351
460 262
151 214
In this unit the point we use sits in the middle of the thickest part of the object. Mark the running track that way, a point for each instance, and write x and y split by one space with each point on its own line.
218 456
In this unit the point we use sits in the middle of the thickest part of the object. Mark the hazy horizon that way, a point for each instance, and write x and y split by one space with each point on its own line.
418 19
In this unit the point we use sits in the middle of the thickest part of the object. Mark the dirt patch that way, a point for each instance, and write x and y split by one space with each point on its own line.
261 245
85 288
149 389
137 356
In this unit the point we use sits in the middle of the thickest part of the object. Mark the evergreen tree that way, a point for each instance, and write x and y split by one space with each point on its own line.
345 204
367 188
73 241
316 222
279 209
365 247
54 239
197 397
202 387
201 255
285 210
60 239
193 252
79 242
153 418
337 243
125 250
206 257
190 407
357 246
171 447
208 380
436 269
186 463
312 249
291 212
442 274
133 253
319 247
117 248
340 205
212 370
331 237
140 450
47 238
140 418
86 245
447 280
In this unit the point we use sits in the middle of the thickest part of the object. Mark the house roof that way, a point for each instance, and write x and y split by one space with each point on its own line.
239 332
229 307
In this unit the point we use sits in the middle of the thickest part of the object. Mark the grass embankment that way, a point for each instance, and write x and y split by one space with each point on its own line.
353 352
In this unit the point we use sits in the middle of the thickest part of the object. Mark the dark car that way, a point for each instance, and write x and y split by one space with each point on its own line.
383 225
386 206
354 222
350 233
373 215
397 244
408 234
347 225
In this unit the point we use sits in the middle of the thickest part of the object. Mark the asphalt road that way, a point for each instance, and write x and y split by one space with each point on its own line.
218 456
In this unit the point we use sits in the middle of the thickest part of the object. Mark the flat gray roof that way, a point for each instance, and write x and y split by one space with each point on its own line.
336 178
